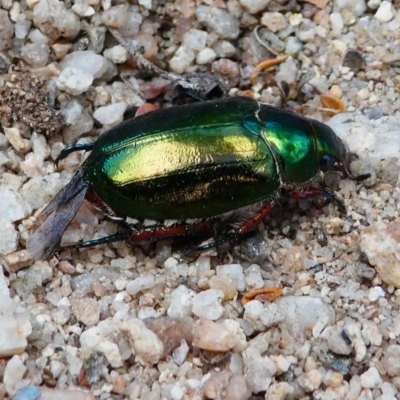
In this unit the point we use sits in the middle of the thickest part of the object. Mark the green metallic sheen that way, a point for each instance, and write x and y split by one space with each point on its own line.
192 163
299 143
205 159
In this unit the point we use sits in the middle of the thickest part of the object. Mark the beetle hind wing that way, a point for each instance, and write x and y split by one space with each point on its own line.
55 218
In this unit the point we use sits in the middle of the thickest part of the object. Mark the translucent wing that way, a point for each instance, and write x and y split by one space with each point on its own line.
55 218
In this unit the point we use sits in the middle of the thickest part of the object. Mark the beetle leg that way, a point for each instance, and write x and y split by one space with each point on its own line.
65 152
142 235
331 195
256 219
310 192
305 193
130 113
149 234
163 232
137 236
118 237
247 226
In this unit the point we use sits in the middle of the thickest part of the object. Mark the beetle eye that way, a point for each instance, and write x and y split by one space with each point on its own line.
326 163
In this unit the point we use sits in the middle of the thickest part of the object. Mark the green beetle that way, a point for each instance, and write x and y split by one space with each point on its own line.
187 169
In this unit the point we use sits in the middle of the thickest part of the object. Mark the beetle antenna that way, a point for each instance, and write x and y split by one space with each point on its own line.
341 167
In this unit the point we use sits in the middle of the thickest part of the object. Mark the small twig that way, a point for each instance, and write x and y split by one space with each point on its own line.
136 51
262 42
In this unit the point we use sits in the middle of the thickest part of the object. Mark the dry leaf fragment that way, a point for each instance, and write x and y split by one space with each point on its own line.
331 104
264 294
265 65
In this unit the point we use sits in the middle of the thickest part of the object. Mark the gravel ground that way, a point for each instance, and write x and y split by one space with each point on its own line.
306 308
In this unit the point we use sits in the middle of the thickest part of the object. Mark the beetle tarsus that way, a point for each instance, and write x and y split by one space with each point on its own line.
217 242
118 237
331 195
229 237
362 177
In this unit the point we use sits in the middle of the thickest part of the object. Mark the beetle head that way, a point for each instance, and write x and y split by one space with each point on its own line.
333 153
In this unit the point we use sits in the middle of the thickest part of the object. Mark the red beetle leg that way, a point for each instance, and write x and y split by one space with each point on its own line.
163 232
306 193
310 192
255 219
248 225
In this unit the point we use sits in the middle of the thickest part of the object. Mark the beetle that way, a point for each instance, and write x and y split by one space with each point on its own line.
194 168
